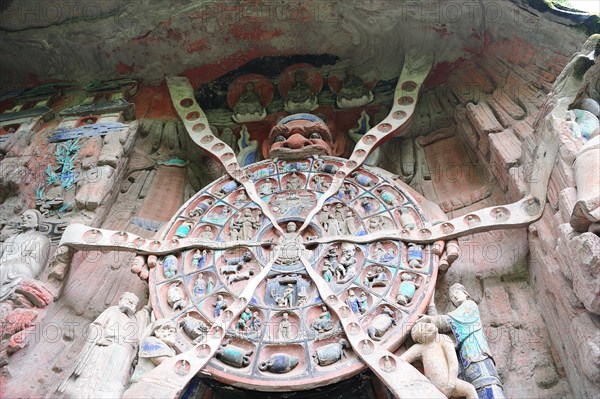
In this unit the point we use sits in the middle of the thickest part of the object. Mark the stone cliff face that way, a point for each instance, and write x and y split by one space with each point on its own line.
504 77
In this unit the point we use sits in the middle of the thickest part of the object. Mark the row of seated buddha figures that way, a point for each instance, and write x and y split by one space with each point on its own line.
299 85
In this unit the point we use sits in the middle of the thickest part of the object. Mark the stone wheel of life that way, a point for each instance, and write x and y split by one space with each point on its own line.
391 282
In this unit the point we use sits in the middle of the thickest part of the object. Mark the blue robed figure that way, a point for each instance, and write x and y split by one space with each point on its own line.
477 364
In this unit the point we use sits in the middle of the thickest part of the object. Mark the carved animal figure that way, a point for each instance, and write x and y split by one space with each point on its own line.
176 297
234 278
239 260
381 324
330 353
194 328
232 269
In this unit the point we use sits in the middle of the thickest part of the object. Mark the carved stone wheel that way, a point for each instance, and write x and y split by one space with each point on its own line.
387 284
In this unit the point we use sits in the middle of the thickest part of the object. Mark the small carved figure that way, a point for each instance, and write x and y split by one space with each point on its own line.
291 246
330 223
415 255
234 233
378 223
349 190
255 323
349 223
260 173
407 289
199 258
175 296
219 305
201 208
500 215
200 286
331 353
246 224
387 197
363 180
381 324
352 302
382 255
159 344
266 188
278 299
23 255
327 272
407 220
340 272
323 217
248 107
338 214
183 230
294 183
320 166
244 322
440 364
241 199
353 92
209 285
376 277
472 220
170 266
320 184
332 255
285 328
294 166
300 97
363 303
279 363
367 205
206 234
348 260
292 203
227 188
195 329
302 296
288 296
324 322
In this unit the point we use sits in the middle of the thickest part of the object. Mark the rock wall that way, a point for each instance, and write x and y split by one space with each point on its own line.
532 283
539 288
565 263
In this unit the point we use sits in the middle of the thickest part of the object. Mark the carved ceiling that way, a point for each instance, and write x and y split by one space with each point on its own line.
86 40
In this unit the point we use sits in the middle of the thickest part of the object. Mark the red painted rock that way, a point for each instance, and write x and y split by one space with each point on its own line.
17 320
36 292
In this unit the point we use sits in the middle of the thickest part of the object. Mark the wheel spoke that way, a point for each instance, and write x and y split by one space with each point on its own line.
170 378
402 379
414 72
83 238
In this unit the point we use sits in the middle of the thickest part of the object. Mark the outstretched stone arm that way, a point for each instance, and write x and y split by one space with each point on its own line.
413 353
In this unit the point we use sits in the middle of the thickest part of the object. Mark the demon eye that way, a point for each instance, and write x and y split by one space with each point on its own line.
279 139
315 136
